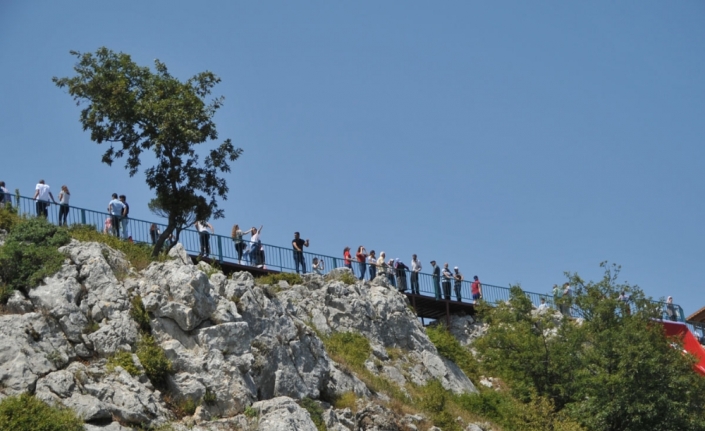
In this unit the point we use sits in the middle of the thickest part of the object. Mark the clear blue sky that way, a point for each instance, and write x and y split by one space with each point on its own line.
516 140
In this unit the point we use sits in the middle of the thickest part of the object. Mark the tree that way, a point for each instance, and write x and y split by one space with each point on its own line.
613 370
136 110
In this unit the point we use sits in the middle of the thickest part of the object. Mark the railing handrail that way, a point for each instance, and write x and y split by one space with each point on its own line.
502 293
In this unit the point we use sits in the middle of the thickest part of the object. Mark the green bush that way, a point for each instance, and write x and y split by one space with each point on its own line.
124 360
8 219
140 315
449 347
289 277
30 253
151 355
27 413
38 231
315 411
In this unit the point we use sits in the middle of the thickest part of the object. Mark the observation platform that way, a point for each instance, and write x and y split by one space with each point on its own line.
426 307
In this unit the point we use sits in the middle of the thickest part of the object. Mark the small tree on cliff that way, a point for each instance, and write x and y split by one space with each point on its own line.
136 110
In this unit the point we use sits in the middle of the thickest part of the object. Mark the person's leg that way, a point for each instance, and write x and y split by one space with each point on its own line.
238 248
303 263
437 289
415 283
296 261
362 270
202 243
373 272
125 222
446 290
457 292
208 243
116 225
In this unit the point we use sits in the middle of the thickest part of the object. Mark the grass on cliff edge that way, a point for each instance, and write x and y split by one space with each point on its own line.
139 255
27 413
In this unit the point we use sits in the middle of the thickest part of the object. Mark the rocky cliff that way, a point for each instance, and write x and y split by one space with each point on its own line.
243 355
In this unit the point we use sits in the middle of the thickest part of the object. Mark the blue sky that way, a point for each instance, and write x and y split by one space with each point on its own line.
516 140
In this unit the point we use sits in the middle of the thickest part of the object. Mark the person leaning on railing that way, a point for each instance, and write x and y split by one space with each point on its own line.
4 196
372 264
415 269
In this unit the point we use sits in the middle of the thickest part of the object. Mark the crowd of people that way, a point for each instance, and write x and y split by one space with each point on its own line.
252 252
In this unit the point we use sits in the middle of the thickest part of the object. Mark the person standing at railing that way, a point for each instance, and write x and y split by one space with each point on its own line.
436 280
415 269
382 264
401 275
240 245
5 197
64 196
154 233
447 276
204 236
115 208
476 289
567 299
458 280
347 259
298 244
372 264
124 218
671 310
624 299
42 193
256 252
361 255
391 272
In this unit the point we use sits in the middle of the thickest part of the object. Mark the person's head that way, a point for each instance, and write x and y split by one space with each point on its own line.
543 301
114 195
253 230
475 278
123 198
372 253
359 249
315 260
41 181
64 188
413 256
153 226
346 249
433 263
296 235
391 261
382 254
456 269
566 284
2 183
670 299
445 265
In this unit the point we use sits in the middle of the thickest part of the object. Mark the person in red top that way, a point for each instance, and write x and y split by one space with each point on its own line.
476 289
348 258
361 256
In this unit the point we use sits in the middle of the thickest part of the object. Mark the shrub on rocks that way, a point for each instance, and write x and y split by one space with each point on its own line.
30 254
154 361
27 413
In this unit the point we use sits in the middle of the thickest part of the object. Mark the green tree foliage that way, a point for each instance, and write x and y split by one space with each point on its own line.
136 110
615 370
27 413
30 254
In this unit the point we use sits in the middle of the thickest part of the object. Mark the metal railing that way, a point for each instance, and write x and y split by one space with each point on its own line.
223 248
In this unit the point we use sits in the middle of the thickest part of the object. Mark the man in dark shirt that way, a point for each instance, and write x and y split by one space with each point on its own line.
298 244
436 280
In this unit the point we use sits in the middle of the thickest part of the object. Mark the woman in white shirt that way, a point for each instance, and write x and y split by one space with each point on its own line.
64 196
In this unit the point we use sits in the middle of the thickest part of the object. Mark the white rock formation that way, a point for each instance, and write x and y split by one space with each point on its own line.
234 345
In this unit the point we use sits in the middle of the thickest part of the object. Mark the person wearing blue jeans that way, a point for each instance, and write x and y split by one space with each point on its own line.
298 244
115 208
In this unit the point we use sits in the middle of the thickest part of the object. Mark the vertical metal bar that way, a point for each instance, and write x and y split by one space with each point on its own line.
220 249
83 216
